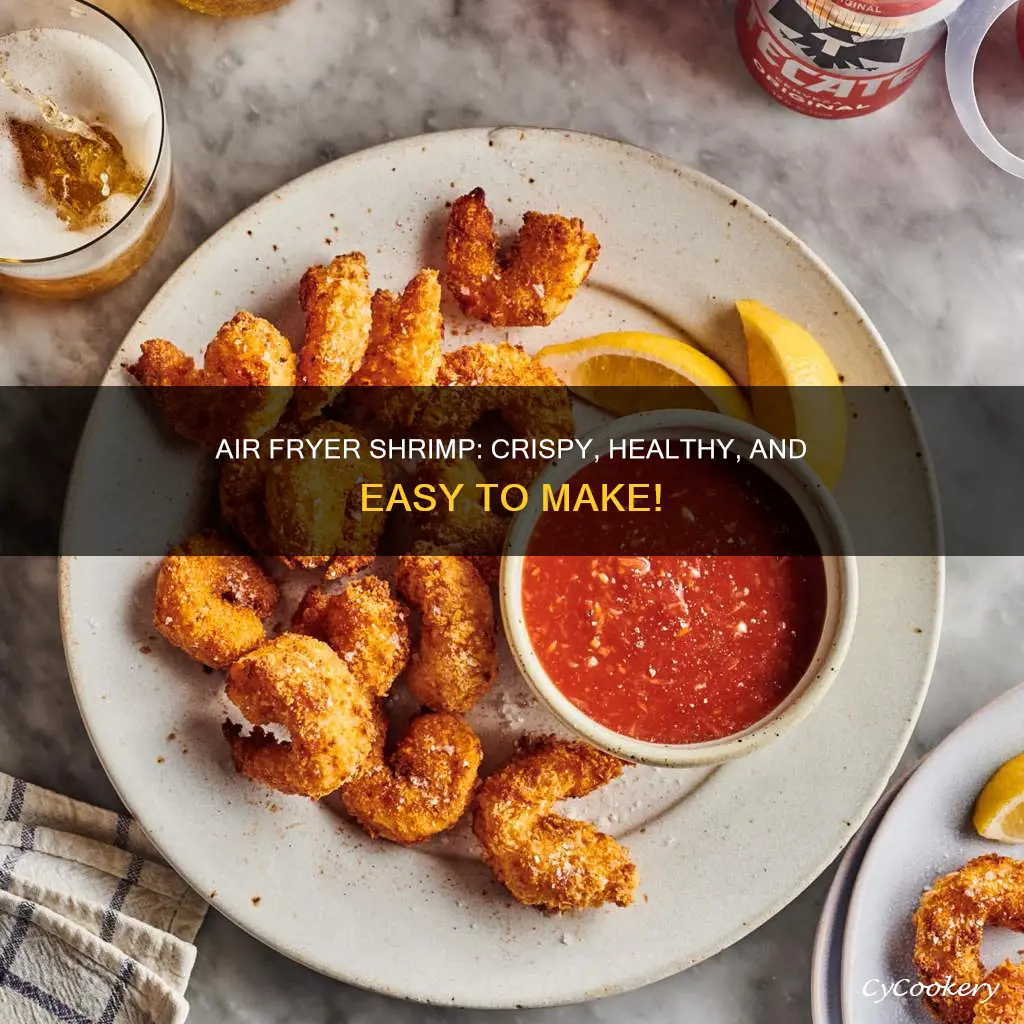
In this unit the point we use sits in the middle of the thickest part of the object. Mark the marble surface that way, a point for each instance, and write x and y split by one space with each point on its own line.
926 234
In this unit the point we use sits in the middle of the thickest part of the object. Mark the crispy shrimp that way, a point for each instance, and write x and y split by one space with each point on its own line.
243 505
314 506
950 921
468 529
424 787
404 350
211 601
242 494
336 301
298 682
248 355
542 858
529 285
478 379
365 625
1005 1002
457 657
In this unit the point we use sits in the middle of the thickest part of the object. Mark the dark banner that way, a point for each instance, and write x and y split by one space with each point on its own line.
385 470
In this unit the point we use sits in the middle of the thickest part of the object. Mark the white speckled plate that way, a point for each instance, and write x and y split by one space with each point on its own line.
827 960
719 852
926 833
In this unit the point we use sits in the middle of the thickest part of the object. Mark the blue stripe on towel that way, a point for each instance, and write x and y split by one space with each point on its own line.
120 895
60 1011
28 839
17 800
10 951
117 994
124 825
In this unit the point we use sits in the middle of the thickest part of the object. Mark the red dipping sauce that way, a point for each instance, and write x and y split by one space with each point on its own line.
677 648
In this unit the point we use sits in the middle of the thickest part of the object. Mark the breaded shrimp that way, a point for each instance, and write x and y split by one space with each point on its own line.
336 301
950 921
314 506
457 657
300 683
1005 1002
424 787
365 625
404 350
242 495
248 355
478 379
468 529
243 505
211 601
529 285
545 859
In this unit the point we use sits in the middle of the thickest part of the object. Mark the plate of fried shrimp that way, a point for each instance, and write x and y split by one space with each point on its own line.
327 737
934 926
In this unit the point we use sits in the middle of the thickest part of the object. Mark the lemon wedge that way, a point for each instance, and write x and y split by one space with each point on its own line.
795 390
625 371
999 812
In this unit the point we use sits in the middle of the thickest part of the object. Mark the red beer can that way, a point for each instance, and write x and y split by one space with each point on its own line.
916 12
832 64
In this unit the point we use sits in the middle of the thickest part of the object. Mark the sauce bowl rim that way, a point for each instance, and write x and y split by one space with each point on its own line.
816 505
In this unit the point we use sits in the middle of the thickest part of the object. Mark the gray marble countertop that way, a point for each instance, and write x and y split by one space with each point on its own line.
927 235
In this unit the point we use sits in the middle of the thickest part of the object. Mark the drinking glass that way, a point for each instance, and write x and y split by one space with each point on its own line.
83 263
232 8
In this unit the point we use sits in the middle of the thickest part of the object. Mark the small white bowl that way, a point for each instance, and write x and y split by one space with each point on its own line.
818 508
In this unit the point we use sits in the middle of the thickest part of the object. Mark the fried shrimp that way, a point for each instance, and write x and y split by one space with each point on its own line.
542 858
529 285
242 493
1005 1002
314 506
365 625
950 921
457 657
424 787
468 529
404 349
480 379
211 601
298 682
248 355
336 301
243 505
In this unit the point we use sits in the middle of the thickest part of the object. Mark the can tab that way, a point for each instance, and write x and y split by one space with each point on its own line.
968 27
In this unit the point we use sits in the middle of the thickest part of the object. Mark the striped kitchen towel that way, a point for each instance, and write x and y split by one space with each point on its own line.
94 927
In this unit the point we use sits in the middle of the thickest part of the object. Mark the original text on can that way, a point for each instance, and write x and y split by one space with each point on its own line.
821 69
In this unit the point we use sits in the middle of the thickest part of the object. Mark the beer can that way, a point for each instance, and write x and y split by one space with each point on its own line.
811 60
890 17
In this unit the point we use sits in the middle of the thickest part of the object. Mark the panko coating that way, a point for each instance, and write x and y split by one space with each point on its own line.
336 300
242 495
457 657
248 355
542 858
404 350
424 787
298 682
1005 998
365 625
950 921
211 601
503 378
468 529
243 505
529 285
314 506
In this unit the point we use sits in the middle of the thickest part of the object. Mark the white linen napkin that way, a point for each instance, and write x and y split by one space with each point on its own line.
94 927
